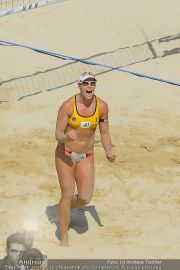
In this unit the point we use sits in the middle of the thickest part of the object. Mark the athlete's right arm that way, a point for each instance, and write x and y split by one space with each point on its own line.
62 121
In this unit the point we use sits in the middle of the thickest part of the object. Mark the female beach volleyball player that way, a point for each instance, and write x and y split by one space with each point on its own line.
76 123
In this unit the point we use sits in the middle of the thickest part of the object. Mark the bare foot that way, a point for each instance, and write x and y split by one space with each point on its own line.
64 244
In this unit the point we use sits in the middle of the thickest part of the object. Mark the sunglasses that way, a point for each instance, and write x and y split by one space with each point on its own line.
87 83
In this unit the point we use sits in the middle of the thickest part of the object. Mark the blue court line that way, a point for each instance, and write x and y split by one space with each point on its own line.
66 57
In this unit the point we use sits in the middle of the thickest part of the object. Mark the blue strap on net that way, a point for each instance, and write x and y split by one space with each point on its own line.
66 57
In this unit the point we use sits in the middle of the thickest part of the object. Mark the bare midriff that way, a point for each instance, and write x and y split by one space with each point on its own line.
84 142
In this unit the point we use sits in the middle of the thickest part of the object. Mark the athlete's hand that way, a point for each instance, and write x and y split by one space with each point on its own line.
111 157
72 135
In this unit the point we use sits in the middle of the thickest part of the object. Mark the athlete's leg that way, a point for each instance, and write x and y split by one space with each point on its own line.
84 176
65 170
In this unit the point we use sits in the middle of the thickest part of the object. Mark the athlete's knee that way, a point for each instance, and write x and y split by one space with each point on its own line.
84 199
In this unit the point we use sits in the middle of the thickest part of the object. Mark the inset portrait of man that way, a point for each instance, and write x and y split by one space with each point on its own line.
15 245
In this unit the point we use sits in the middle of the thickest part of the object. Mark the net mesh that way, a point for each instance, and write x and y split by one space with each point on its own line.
6 4
68 72
8 7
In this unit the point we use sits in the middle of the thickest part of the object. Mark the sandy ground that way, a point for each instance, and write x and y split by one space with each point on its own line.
135 209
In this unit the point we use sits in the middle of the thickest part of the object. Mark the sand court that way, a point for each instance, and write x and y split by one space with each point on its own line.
134 212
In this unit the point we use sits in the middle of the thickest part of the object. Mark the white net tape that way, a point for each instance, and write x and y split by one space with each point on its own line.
8 7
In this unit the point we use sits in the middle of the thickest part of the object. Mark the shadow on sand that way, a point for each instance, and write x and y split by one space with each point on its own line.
78 221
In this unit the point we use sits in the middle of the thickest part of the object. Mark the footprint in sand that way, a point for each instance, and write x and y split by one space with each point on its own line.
170 141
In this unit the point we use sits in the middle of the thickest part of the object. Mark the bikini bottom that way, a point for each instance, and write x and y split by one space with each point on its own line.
74 155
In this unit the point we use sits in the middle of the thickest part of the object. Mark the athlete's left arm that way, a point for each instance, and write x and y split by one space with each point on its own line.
104 130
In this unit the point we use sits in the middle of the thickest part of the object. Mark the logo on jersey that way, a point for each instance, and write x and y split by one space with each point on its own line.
85 124
74 119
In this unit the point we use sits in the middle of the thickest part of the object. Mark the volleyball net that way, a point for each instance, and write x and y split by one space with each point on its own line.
69 68
8 7
67 72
